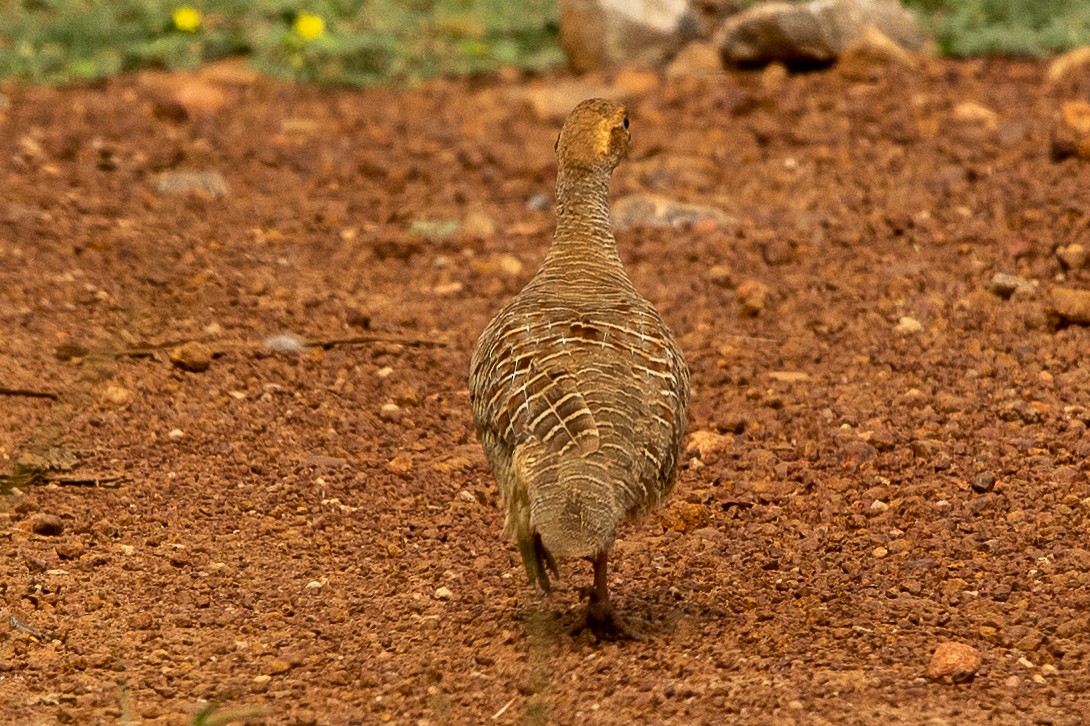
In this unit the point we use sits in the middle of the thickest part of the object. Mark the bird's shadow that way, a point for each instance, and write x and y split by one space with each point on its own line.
647 616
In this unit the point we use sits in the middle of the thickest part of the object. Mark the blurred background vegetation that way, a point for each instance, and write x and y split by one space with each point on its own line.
354 42
360 42
1008 27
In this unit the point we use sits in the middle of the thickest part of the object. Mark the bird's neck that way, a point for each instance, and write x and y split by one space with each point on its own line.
582 218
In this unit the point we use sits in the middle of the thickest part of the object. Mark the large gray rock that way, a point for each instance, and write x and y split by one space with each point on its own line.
601 34
813 32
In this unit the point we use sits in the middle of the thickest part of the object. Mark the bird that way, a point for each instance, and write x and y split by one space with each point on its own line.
579 391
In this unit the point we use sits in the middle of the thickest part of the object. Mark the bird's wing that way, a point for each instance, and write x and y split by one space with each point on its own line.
546 405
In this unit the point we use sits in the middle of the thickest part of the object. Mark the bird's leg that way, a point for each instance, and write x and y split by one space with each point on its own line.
545 563
599 608
602 619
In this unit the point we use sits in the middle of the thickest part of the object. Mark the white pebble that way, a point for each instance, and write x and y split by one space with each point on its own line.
908 326
285 343
175 435
443 593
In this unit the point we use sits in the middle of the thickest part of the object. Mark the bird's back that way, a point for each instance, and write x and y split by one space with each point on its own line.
579 394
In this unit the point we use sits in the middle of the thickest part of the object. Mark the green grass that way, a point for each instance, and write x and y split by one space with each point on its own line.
364 41
1006 27
402 41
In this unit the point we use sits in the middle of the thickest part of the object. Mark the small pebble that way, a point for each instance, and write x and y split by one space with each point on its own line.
1004 285
1049 670
538 202
956 661
47 525
752 297
390 412
285 343
880 552
983 483
443 593
908 326
192 357
175 435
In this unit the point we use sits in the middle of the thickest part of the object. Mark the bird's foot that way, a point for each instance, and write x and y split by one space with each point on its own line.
604 624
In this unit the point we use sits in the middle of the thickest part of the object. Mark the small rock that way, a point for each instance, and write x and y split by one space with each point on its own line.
1061 65
1074 256
1076 116
721 275
70 550
880 552
789 376
538 202
685 516
510 265
752 297
326 461
314 585
262 679
277 666
69 351
115 394
434 229
1049 670
652 210
443 593
1071 136
401 464
479 225
955 661
878 506
175 434
210 183
193 357
696 60
812 32
285 343
602 34
871 52
47 525
983 483
1005 285
908 326
975 113
707 445
1070 305
390 412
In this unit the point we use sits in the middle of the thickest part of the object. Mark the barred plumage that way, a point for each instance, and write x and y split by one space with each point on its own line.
579 391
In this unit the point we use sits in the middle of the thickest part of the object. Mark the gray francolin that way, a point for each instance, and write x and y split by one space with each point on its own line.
579 391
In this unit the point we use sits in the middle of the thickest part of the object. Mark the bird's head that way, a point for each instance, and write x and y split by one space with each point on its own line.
595 136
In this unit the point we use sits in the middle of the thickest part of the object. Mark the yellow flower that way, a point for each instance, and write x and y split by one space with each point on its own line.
309 26
187 19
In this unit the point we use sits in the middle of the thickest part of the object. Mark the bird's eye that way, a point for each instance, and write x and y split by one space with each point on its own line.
626 122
